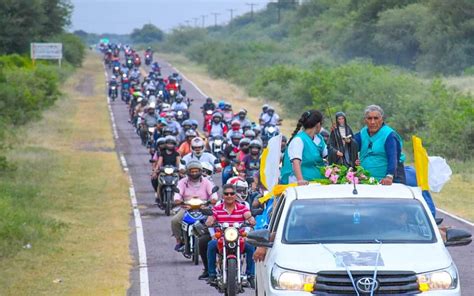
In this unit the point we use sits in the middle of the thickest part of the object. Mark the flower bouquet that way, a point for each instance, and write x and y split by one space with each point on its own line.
339 174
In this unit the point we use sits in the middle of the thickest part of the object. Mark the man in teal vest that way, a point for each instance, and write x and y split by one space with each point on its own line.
380 148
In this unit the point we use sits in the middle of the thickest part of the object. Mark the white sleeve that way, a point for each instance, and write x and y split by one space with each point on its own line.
295 149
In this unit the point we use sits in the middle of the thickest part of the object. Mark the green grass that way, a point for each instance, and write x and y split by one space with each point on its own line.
68 202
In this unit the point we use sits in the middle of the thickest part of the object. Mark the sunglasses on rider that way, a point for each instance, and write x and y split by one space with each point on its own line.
229 193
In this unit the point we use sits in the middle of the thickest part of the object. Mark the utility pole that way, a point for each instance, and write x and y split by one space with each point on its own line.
195 21
203 20
215 18
188 23
231 13
251 8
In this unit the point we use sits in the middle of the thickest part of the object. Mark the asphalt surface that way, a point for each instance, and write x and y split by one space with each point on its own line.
169 272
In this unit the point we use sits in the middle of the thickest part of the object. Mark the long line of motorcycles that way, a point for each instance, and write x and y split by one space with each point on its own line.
158 108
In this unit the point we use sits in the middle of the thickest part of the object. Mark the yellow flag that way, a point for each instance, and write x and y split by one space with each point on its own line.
421 163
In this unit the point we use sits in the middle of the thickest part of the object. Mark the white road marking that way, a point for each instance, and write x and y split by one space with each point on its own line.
456 217
142 257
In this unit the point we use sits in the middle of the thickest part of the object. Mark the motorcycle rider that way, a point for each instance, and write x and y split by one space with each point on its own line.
208 105
194 184
227 113
230 156
168 156
113 82
198 153
217 127
178 104
230 211
264 111
270 117
251 163
150 119
242 118
234 128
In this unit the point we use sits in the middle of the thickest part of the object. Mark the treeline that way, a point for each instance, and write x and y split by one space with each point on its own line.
337 55
27 89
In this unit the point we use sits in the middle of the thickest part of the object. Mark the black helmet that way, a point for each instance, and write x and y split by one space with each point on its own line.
208 100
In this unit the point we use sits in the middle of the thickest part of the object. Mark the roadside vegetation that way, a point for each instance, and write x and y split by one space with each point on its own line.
343 55
52 148
63 230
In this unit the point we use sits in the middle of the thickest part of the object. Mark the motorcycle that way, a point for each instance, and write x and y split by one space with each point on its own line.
168 180
217 146
230 253
116 70
129 63
182 115
113 92
137 62
269 131
191 218
148 59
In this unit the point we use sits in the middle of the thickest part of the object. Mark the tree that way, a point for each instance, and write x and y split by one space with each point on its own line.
25 21
147 34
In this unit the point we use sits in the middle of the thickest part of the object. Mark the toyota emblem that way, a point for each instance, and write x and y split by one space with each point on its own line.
365 284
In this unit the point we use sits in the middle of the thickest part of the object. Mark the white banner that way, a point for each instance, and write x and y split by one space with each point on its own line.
46 51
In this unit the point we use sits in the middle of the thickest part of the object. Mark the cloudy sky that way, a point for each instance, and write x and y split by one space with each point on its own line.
122 16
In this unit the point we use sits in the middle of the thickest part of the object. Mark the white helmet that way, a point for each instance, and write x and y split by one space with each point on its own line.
197 142
207 168
241 187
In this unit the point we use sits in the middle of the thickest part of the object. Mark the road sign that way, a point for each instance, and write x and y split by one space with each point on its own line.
47 51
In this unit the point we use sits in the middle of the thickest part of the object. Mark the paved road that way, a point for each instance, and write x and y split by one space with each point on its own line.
169 272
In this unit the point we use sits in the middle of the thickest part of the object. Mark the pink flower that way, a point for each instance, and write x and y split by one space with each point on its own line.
350 176
328 172
336 169
356 180
334 178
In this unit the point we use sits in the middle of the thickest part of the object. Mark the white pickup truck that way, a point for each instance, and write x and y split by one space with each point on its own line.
369 240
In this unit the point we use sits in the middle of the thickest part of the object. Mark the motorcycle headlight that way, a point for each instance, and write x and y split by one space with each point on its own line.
218 142
151 130
231 234
169 171
283 279
177 84
445 279
179 113
160 92
172 92
271 129
113 87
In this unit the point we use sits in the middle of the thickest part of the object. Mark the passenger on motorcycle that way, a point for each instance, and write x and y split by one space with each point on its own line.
221 106
246 127
244 148
230 156
250 134
160 146
270 118
185 147
171 122
251 163
242 118
217 127
198 153
234 128
227 113
190 186
264 111
241 189
230 211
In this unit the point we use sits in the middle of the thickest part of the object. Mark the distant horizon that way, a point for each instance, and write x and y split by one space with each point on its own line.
107 16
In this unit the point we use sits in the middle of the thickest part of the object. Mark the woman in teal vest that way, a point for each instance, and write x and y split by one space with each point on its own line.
306 150
380 148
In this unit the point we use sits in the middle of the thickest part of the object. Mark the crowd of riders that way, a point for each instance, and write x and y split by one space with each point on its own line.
187 154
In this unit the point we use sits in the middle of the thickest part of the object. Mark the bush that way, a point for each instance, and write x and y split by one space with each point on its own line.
74 49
